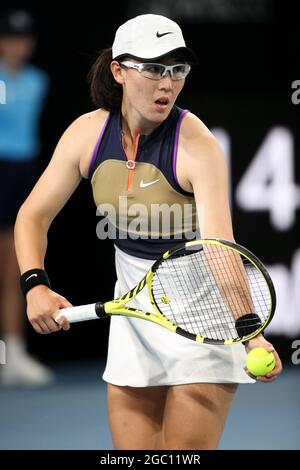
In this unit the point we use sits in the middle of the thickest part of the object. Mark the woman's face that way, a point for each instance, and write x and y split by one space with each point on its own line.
141 94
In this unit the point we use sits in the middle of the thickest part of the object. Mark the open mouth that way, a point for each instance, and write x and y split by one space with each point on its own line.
162 102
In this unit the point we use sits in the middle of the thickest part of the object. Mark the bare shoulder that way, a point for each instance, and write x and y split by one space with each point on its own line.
195 135
83 134
199 152
91 118
83 127
197 141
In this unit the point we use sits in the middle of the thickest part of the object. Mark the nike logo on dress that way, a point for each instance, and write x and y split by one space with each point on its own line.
32 275
144 185
158 35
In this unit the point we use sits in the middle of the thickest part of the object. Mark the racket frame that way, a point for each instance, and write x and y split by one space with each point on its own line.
117 306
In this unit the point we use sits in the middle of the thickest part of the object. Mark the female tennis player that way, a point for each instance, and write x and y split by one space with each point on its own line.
141 151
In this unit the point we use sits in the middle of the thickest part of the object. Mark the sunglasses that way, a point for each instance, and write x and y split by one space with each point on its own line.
158 71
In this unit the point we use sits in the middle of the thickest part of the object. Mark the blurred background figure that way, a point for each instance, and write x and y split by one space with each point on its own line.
26 88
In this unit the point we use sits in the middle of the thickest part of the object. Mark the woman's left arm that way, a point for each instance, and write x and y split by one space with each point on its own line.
206 171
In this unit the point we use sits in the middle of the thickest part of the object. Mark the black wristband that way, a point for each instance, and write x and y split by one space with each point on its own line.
247 324
32 278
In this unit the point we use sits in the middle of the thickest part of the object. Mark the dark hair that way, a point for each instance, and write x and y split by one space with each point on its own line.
105 92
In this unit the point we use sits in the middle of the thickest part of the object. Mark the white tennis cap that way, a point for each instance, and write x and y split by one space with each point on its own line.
150 37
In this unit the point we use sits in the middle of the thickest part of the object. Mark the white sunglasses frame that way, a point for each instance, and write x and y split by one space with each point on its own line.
168 68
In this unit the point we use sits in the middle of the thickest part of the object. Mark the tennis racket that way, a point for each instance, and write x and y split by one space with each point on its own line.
210 291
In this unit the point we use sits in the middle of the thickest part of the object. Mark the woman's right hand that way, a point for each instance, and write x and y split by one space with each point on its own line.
42 307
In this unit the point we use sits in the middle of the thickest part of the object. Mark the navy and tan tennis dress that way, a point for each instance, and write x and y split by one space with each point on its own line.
133 194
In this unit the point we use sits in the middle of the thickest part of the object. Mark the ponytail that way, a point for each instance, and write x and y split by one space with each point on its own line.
105 92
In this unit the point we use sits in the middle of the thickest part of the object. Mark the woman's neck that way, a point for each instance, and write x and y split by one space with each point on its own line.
133 124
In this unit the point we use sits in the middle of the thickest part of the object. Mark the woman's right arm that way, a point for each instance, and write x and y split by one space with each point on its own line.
47 198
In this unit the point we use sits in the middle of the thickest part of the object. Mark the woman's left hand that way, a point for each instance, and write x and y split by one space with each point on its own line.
260 342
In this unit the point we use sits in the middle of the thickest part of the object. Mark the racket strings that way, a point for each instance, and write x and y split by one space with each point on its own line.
206 291
210 300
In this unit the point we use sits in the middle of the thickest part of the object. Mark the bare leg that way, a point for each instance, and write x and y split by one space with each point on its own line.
135 416
195 415
12 305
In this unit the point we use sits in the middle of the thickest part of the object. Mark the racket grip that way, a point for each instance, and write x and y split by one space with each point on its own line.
80 313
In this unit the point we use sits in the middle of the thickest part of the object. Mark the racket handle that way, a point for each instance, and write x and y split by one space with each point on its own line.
80 313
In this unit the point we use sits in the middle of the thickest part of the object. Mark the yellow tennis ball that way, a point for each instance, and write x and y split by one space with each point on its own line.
260 361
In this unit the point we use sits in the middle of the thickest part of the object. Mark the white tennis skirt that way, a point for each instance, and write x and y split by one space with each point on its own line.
143 354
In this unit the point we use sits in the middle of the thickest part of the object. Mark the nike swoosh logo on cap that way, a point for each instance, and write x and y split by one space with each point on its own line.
144 185
158 35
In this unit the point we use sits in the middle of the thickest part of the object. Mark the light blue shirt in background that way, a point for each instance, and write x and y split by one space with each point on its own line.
19 117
